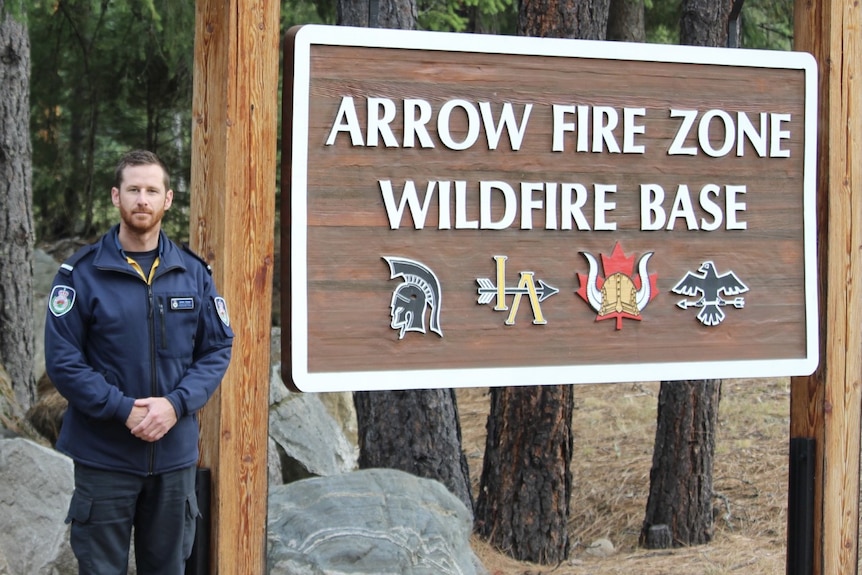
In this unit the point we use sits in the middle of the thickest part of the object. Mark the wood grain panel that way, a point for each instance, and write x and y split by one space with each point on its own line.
348 232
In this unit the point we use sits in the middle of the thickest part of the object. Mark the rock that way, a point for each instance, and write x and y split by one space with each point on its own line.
338 404
601 548
308 440
4 565
369 522
35 486
45 267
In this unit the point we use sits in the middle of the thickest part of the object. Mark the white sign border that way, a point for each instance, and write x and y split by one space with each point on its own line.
308 36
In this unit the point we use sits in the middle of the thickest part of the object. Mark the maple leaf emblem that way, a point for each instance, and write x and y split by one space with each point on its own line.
619 294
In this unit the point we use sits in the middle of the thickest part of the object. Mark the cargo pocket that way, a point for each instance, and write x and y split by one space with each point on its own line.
79 509
191 521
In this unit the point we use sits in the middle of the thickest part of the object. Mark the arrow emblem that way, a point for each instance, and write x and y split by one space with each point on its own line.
488 292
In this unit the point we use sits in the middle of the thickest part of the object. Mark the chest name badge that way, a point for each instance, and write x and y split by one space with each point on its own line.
182 303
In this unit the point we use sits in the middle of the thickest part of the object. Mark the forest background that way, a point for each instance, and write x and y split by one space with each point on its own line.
107 76
111 75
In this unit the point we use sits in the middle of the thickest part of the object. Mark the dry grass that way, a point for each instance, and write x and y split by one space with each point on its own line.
614 430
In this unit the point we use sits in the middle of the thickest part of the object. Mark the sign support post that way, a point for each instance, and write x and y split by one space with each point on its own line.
826 406
234 107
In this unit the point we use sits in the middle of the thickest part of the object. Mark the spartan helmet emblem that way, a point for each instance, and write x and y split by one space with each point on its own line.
419 291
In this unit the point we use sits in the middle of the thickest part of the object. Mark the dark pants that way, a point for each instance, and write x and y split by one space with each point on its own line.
107 504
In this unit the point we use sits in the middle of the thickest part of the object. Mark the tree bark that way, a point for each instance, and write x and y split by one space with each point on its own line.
626 21
17 338
394 14
680 493
704 22
526 482
681 475
585 19
523 503
416 431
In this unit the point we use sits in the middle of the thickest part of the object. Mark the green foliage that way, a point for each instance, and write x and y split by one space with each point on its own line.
107 76
485 16
16 9
661 21
767 24
442 16
295 12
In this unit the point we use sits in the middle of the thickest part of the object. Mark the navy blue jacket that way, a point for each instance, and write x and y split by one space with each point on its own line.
111 337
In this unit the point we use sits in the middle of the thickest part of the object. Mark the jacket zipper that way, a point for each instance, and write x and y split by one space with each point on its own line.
151 302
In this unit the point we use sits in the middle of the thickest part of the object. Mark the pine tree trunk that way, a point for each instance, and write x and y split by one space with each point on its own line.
17 338
394 14
584 19
417 431
626 21
704 22
680 493
681 476
526 484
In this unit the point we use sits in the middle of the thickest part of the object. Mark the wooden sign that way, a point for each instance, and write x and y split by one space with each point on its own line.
469 210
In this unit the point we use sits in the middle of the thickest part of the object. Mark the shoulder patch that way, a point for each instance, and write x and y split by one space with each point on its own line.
61 300
189 251
221 310
68 265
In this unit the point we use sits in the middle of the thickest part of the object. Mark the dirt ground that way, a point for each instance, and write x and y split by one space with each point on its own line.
614 431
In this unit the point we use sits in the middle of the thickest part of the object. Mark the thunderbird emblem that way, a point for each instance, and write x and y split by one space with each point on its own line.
709 284
618 295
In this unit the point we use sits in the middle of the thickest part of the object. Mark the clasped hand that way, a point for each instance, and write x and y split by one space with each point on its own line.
151 418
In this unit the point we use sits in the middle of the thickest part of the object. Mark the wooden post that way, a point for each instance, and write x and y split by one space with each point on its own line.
235 107
826 406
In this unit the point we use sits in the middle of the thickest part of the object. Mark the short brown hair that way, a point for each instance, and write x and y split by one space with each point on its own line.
140 158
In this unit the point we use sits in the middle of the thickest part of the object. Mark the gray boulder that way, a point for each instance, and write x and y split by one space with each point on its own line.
44 269
35 486
305 438
369 522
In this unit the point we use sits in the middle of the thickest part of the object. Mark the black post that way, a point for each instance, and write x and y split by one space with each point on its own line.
373 13
733 24
800 507
199 561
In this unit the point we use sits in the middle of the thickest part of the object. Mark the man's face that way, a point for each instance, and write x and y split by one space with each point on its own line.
142 198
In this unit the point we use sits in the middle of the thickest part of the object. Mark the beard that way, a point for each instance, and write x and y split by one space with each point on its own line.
139 222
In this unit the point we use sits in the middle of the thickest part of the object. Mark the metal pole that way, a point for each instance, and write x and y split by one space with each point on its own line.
373 13
800 507
733 24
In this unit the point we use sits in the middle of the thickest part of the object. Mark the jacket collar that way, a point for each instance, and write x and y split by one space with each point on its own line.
110 254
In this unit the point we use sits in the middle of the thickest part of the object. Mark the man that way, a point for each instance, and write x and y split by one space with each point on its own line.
137 339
